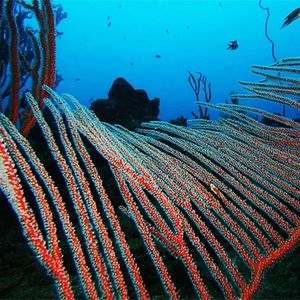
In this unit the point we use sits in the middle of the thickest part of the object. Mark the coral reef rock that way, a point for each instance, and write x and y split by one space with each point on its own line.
126 106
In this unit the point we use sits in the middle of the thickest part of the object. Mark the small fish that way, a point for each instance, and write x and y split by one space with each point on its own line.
157 56
187 27
59 34
131 63
233 45
167 31
294 15
109 23
215 190
108 18
91 99
77 79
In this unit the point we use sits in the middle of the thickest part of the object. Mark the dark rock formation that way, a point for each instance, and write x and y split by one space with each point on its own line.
126 106
180 121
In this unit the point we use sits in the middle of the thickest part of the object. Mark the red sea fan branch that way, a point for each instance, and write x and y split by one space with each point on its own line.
14 60
11 186
219 201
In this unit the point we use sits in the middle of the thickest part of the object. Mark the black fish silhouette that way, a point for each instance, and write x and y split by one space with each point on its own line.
294 15
233 45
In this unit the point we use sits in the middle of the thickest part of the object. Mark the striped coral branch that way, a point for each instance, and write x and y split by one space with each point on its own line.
79 204
80 262
14 58
10 184
109 209
219 200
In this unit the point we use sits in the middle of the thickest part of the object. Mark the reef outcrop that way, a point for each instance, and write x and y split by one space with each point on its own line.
126 106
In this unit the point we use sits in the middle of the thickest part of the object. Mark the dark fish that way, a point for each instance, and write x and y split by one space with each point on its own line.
131 63
233 45
220 4
187 27
157 56
108 17
294 15
167 31
109 23
77 79
59 34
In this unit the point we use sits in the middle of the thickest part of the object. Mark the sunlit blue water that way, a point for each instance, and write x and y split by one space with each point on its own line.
188 35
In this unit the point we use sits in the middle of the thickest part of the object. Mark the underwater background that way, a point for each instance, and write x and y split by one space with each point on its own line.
153 44
156 46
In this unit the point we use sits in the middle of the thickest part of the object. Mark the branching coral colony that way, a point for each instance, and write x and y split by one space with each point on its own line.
221 201
27 56
218 201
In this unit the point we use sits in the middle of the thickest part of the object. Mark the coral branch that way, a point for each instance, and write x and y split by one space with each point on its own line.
10 184
218 201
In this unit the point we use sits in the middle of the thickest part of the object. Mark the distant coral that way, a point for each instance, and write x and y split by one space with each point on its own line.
195 84
180 121
126 106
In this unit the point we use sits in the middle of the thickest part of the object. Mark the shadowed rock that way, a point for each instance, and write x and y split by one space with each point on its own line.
126 106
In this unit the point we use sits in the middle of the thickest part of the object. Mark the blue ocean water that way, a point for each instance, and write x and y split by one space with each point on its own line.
154 43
